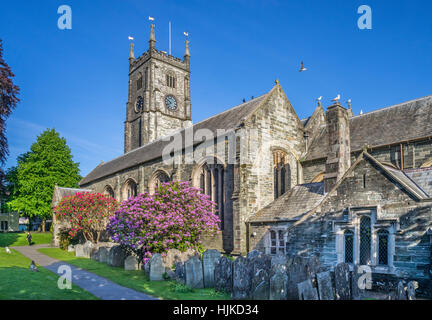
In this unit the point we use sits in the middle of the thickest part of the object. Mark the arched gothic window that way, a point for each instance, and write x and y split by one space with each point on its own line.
383 247
109 191
211 182
281 173
349 246
130 189
157 179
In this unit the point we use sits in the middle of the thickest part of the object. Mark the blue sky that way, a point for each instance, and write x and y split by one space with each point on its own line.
76 80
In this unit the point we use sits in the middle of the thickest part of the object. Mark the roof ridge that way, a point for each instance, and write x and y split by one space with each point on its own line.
392 106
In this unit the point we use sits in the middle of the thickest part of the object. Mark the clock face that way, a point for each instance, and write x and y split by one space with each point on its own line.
171 103
139 104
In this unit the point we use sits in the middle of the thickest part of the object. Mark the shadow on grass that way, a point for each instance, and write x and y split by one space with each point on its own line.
8 239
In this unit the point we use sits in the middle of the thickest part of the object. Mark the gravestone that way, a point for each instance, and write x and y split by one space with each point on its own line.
313 266
180 272
94 254
241 279
79 250
102 254
131 263
297 272
325 287
278 282
359 282
194 273
71 248
116 257
223 275
88 247
307 291
157 268
342 281
259 261
146 268
252 254
411 290
210 257
260 286
279 259
401 293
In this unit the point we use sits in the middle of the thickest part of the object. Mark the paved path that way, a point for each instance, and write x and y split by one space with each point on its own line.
97 285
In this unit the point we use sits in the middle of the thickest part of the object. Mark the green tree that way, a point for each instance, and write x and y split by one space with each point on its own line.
48 163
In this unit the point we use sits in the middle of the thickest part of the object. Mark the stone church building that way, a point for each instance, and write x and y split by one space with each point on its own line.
353 188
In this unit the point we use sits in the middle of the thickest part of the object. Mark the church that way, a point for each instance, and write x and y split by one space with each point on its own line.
348 188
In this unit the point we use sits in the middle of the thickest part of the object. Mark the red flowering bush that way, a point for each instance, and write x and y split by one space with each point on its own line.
87 213
175 216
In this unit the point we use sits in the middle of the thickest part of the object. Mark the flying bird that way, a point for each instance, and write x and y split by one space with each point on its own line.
302 68
337 98
8 250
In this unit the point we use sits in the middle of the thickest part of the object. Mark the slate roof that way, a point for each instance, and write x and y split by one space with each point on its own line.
422 177
403 122
229 119
298 201
407 182
60 193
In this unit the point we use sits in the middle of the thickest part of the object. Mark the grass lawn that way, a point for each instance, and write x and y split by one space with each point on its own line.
17 282
136 280
19 239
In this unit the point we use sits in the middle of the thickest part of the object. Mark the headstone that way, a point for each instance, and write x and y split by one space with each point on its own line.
157 268
278 282
79 250
116 257
307 291
313 266
131 263
401 293
210 257
71 248
296 272
102 254
360 281
241 279
194 273
223 275
279 259
411 290
180 272
94 254
252 254
342 281
259 261
325 287
88 247
260 287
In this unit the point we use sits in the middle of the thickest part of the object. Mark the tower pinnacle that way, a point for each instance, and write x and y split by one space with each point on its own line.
152 39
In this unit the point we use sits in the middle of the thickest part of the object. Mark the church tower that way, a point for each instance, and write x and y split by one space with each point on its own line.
159 95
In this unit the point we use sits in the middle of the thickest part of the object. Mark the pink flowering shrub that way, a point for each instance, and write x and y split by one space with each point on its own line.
175 216
87 213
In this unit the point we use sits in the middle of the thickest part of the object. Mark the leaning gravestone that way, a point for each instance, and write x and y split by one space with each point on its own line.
342 281
79 250
88 247
297 272
223 275
210 257
180 272
359 282
157 268
401 293
116 257
411 290
194 273
260 287
102 254
131 263
278 282
325 287
241 279
307 291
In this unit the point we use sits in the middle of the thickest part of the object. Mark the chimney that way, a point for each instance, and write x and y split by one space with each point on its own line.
339 148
